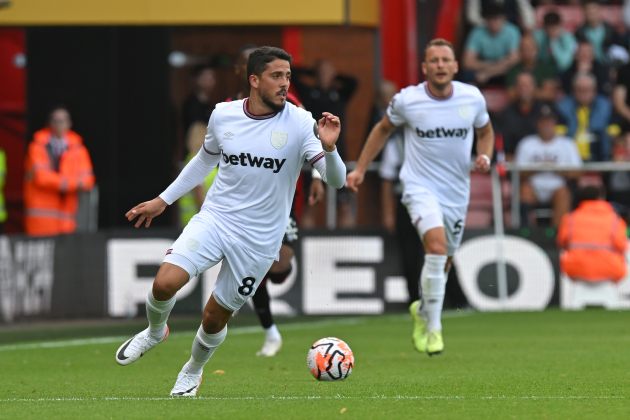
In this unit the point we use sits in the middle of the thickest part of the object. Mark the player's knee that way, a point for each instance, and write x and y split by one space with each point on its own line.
435 246
163 289
213 322
279 277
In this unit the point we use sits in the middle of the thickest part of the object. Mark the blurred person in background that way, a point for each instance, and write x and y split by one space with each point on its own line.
324 90
621 97
199 105
602 35
546 147
518 119
190 203
439 117
556 45
3 178
543 72
518 12
594 239
585 62
282 268
586 116
492 49
57 168
618 183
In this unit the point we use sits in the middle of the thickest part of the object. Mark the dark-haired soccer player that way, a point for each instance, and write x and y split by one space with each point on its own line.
282 268
259 144
439 117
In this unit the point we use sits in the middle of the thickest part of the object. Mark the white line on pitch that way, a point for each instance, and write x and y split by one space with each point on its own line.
335 397
231 331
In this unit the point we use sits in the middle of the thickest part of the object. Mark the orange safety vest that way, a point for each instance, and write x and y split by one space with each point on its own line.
595 240
51 197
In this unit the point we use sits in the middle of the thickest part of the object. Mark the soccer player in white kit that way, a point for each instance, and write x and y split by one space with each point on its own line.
260 144
439 116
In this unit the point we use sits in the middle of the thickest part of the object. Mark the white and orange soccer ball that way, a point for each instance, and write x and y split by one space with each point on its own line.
330 359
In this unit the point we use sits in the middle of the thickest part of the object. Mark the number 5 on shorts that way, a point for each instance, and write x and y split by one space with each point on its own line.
248 286
457 228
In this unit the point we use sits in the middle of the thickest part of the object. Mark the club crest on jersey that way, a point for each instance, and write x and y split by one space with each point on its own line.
279 139
464 112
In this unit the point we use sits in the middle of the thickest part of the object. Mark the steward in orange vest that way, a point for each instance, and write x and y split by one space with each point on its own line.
57 167
595 240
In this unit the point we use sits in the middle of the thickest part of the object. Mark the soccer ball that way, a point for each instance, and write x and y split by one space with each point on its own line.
330 359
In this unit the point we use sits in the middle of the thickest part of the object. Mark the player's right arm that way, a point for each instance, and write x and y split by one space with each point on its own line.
192 175
374 144
394 117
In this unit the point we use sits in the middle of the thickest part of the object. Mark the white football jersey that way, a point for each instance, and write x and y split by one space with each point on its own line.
254 209
438 139
560 149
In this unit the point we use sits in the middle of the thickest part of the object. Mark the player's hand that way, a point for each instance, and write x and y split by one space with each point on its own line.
482 164
147 211
329 128
317 192
354 179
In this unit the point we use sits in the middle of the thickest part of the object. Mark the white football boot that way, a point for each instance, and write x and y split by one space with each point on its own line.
271 347
137 346
187 385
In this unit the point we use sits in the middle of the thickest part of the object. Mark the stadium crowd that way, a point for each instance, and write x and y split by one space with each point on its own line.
555 76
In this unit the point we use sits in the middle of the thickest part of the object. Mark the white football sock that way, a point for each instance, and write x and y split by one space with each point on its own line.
203 347
272 333
157 313
433 286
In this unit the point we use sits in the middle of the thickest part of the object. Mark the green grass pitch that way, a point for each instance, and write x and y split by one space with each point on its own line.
543 365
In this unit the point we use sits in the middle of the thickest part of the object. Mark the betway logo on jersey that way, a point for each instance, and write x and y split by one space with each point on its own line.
245 159
441 132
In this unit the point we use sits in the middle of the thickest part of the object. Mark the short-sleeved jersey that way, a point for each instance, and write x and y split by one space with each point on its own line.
261 160
438 139
561 150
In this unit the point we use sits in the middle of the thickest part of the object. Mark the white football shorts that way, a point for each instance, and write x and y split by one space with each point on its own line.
202 245
427 213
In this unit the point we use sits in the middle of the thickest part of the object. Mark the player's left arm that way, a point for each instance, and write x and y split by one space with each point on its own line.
485 147
330 165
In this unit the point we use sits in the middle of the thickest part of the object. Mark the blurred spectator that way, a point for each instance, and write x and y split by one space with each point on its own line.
556 45
594 238
543 72
621 97
519 12
57 168
327 92
518 119
323 90
587 116
386 92
600 34
396 219
546 147
585 63
190 203
240 69
618 183
491 50
3 178
626 13
198 106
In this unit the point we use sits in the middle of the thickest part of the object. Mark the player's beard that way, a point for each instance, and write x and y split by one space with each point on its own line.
268 100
